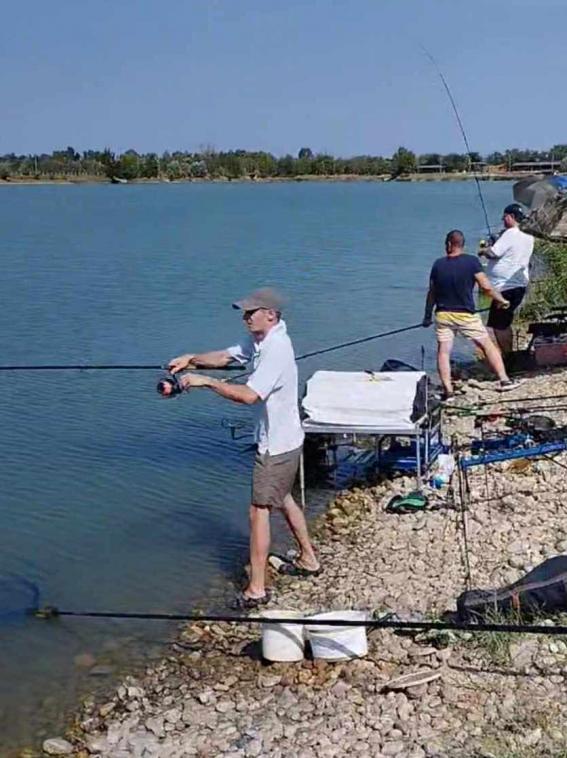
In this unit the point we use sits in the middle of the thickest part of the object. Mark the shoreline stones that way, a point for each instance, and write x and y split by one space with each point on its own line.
481 694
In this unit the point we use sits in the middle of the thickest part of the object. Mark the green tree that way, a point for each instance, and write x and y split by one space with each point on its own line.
323 165
559 151
128 165
496 159
456 162
285 166
305 153
429 159
198 168
233 165
150 166
403 162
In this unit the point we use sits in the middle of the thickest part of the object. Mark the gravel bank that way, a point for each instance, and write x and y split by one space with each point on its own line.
495 696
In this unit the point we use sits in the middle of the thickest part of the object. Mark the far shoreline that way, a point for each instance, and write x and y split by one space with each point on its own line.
324 178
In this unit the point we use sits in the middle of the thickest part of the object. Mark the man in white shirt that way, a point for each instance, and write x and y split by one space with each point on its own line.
508 272
272 389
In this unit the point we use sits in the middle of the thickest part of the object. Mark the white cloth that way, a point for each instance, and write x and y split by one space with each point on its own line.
278 426
359 399
510 268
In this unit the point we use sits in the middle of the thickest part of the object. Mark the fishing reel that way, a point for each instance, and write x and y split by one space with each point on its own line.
484 243
169 386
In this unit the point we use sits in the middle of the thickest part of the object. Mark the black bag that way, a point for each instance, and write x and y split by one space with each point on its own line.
393 364
420 401
542 590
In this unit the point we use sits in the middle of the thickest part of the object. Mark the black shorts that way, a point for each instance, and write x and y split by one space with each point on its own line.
501 318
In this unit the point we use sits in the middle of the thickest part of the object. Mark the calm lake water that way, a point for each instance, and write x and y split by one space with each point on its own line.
114 499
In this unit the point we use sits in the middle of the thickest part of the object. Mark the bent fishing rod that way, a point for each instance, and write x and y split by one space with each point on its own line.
462 130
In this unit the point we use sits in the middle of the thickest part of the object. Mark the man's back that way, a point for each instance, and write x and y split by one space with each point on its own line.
453 279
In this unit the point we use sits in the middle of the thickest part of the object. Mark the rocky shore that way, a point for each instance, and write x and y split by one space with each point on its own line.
495 696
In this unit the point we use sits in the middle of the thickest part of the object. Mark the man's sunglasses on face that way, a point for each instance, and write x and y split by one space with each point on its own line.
249 314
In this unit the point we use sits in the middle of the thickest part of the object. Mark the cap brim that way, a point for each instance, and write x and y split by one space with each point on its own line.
241 305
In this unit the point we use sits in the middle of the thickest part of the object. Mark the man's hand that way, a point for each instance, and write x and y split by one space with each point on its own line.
427 321
504 304
181 363
195 380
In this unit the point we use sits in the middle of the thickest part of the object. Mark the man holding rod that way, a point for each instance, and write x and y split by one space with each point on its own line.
451 292
272 388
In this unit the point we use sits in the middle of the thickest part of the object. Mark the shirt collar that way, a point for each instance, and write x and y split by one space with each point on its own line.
279 328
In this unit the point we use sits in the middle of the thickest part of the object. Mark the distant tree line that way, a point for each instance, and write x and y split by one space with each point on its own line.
237 164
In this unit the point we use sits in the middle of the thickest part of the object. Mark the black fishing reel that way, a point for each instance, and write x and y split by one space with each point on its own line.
169 386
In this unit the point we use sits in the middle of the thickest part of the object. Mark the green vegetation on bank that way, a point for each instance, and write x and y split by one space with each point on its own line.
549 285
238 164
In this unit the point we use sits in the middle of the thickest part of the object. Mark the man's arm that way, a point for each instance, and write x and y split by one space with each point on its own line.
496 250
429 305
487 252
213 359
238 393
484 284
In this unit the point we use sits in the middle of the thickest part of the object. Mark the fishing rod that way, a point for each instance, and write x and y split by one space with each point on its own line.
522 400
145 367
385 622
359 341
462 129
102 367
341 345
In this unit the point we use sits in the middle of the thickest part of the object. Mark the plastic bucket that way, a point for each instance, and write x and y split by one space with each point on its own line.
282 642
338 643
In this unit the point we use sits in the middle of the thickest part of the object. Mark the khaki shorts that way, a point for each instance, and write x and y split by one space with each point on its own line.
450 323
273 477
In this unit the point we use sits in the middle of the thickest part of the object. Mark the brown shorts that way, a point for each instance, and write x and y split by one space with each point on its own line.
273 477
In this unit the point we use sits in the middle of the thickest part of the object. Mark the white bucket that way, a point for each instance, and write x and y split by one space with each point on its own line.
338 643
282 642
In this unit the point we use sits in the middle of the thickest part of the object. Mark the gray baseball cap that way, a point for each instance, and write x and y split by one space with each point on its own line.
263 298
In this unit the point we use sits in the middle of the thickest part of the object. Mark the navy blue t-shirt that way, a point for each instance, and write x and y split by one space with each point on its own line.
454 282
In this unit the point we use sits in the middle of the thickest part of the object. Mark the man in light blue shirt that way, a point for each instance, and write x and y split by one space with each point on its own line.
272 389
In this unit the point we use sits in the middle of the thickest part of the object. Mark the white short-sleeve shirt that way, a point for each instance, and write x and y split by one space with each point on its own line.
274 379
510 268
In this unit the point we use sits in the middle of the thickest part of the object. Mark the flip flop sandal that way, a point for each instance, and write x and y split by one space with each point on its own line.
410 503
244 603
290 568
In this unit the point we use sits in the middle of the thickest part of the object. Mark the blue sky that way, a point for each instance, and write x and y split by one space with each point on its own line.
344 76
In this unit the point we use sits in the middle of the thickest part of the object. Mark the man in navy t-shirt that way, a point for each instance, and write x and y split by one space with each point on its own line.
451 291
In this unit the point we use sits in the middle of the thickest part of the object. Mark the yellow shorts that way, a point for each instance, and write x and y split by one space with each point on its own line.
450 323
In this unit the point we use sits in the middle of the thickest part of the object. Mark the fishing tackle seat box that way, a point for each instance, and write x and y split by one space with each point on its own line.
549 338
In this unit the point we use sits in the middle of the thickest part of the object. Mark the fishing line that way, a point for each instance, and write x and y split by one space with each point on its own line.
462 128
